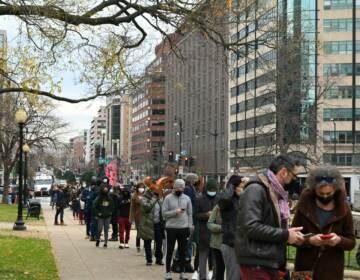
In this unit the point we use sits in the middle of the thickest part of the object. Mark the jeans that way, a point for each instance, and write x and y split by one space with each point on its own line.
256 273
93 226
204 256
231 265
219 267
59 211
159 237
103 223
115 227
88 223
148 252
124 229
179 235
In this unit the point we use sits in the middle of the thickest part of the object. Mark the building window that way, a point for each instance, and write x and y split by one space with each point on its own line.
158 133
341 137
339 4
340 25
158 111
341 159
340 69
340 114
341 92
340 47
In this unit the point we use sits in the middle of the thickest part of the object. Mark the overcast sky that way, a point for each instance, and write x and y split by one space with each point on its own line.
78 116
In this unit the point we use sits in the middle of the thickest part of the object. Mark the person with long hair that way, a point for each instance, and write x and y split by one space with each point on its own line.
326 218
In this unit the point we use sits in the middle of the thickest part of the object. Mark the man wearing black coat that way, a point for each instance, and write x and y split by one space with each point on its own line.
229 205
205 204
60 206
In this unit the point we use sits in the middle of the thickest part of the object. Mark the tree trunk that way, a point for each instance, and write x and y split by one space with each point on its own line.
7 173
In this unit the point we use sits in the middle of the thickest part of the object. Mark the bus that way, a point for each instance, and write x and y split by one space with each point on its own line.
42 184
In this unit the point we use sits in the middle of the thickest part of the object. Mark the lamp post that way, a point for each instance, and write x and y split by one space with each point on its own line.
26 150
20 117
178 122
333 121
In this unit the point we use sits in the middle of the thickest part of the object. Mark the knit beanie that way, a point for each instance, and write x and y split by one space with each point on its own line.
179 184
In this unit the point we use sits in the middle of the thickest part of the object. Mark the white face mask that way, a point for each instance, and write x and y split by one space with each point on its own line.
141 190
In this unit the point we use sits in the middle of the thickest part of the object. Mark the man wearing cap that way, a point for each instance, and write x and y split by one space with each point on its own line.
178 215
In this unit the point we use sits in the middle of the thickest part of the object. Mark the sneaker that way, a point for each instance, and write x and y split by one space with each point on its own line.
149 263
159 262
105 245
210 274
121 246
127 246
92 239
183 276
97 243
194 276
168 276
113 239
56 223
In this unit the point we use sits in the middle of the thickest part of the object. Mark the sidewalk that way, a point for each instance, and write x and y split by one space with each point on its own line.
78 259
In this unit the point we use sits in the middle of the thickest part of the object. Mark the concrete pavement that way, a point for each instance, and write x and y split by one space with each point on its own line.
78 259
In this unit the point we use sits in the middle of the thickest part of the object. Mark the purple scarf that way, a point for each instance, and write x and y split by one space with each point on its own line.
281 194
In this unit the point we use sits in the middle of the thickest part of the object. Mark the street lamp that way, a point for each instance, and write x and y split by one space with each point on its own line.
178 122
20 117
26 150
334 140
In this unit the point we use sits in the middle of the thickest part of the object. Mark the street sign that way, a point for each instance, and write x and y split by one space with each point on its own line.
181 169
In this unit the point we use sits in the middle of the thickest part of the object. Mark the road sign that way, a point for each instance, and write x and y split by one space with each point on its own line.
181 169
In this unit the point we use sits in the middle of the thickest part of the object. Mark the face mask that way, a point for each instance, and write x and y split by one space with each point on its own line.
325 200
141 190
178 193
211 193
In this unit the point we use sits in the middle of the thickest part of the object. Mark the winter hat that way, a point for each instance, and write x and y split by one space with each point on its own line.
191 177
179 184
211 185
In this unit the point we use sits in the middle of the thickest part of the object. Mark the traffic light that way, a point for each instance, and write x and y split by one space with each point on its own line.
103 152
191 161
155 155
171 156
97 151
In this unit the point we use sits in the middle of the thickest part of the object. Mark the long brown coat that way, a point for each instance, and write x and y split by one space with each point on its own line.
330 265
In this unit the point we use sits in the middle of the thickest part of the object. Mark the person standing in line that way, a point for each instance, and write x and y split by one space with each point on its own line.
178 215
60 206
123 213
114 195
205 204
229 205
159 229
86 195
262 230
216 239
135 211
324 213
103 207
146 226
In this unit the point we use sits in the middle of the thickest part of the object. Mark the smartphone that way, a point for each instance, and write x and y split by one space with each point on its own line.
182 209
308 234
326 236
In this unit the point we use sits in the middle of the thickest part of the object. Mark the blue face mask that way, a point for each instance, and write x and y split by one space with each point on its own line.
211 193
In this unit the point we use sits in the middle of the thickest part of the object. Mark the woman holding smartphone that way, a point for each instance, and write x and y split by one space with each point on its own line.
327 222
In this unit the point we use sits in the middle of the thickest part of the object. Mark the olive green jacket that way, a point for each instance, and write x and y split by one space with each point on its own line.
214 225
147 207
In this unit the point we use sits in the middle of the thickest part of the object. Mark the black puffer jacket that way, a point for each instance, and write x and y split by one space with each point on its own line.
228 204
260 239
